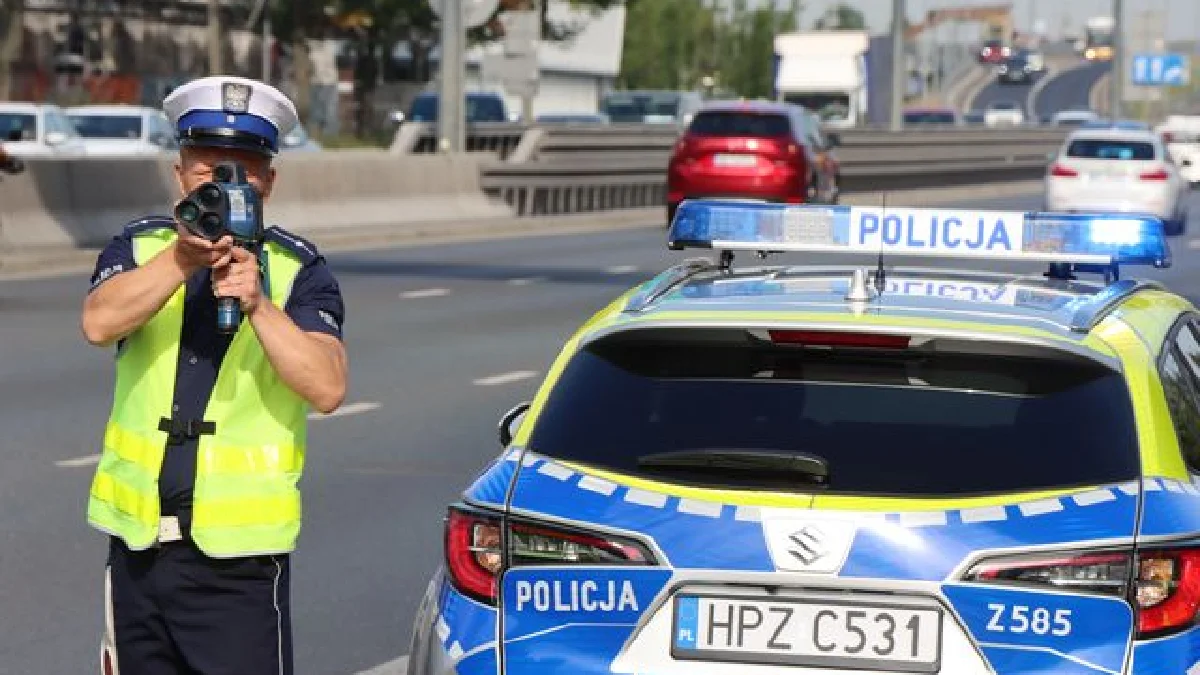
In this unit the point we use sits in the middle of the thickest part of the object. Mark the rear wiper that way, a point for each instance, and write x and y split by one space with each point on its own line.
763 463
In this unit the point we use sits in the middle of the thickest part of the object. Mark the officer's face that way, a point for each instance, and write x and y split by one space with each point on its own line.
196 166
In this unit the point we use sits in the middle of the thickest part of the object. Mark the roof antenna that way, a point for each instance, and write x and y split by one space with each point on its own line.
880 275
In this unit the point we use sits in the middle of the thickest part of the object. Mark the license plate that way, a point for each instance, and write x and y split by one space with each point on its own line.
866 636
734 160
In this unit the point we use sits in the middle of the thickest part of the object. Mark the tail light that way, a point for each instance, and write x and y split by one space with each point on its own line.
1167 590
833 339
1164 590
1157 174
1167 137
1063 171
474 555
683 150
476 552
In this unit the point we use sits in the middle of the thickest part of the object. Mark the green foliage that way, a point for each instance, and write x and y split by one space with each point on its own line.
842 17
676 44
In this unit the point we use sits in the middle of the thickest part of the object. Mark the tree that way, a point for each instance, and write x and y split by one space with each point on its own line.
12 24
676 44
842 17
377 26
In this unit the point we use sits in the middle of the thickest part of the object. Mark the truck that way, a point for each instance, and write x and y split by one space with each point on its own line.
1098 38
827 72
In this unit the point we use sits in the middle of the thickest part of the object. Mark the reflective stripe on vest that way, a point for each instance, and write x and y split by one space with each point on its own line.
245 499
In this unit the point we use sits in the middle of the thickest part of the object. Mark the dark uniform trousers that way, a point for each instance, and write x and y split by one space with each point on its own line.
171 610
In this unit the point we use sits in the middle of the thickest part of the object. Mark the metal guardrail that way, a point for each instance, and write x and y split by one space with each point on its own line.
578 169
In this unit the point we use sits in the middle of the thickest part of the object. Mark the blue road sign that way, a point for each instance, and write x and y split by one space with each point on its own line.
1161 70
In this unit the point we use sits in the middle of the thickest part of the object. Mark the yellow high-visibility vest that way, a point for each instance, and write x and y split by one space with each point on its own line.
246 500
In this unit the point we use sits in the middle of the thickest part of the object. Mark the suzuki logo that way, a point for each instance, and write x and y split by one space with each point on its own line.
809 544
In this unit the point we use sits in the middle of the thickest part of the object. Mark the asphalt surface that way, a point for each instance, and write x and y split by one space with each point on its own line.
1070 89
442 340
995 92
1067 88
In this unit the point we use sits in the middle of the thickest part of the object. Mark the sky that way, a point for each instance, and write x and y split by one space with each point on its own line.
1184 15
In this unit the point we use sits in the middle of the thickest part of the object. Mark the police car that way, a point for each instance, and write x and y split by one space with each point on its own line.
797 468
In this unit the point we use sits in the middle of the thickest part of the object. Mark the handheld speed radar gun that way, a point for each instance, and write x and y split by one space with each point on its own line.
228 205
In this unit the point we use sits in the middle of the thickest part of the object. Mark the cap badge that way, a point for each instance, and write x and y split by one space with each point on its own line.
235 97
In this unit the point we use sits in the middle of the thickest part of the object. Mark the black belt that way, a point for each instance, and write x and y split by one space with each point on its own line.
178 430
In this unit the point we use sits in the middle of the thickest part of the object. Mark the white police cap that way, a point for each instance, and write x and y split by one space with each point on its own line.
230 112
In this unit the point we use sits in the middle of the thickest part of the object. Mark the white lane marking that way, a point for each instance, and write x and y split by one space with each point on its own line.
1036 90
1194 244
88 460
425 293
622 269
348 409
394 667
505 378
526 281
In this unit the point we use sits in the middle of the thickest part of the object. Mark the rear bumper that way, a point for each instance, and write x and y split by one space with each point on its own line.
779 185
1066 197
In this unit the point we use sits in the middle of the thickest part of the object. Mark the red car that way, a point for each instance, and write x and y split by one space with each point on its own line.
994 51
766 151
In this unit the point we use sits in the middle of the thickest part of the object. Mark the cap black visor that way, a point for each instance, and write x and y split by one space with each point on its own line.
226 138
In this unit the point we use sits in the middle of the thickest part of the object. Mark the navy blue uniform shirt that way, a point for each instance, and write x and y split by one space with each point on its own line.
315 305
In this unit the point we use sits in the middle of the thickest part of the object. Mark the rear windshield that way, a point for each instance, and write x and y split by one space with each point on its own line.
478 109
105 126
757 125
17 127
1004 105
898 424
1104 148
633 107
928 117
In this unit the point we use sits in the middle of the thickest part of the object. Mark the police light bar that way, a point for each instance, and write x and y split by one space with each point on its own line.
1080 238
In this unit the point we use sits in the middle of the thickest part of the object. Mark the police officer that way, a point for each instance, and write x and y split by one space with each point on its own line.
197 483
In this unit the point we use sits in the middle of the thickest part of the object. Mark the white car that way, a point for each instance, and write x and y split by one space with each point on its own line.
123 130
1117 170
1074 118
1181 133
38 130
1002 113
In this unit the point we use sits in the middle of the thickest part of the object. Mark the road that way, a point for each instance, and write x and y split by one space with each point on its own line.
442 339
995 92
1067 88
1070 89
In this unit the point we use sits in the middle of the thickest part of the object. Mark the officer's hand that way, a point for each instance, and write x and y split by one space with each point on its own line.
194 253
239 279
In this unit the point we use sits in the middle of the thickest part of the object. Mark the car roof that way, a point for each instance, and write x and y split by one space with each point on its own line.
22 106
1077 112
984 303
749 106
116 109
1113 134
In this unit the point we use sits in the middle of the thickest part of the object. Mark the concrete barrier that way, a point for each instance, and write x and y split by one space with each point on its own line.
83 203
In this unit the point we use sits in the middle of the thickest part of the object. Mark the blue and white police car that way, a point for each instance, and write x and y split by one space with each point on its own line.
861 468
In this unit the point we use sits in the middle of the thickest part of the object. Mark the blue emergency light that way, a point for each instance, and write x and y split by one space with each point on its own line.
1103 240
